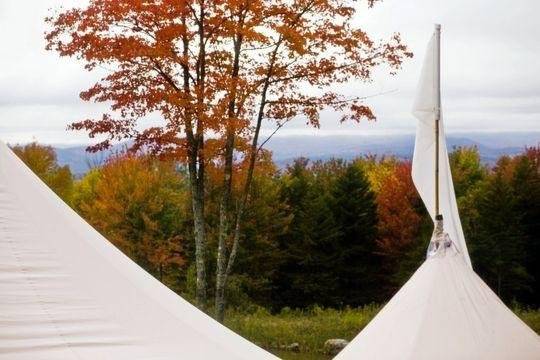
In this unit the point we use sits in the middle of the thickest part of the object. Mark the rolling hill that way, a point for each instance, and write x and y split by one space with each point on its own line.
287 148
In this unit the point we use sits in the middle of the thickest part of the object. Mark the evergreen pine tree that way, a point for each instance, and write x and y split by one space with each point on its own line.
526 188
356 263
497 249
305 277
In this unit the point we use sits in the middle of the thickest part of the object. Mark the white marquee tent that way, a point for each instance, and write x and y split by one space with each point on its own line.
67 293
445 311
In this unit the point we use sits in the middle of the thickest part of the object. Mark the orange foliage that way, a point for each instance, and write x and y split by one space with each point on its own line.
137 204
41 159
398 219
177 58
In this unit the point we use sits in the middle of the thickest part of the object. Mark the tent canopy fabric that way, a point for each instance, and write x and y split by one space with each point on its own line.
68 293
444 311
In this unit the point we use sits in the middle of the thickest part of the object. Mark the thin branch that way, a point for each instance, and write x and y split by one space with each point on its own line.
336 102
260 48
326 71
280 125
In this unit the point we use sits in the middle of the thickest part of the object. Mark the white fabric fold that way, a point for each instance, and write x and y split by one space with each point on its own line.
425 109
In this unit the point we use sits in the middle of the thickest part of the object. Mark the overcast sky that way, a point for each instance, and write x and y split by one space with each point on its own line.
490 79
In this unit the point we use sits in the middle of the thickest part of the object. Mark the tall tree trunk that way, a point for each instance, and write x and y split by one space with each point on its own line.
225 206
224 271
254 150
199 170
200 241
195 145
197 202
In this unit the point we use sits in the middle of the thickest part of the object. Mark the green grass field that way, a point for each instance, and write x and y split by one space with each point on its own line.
310 329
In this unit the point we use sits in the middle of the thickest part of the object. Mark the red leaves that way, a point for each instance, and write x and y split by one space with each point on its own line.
114 129
396 202
359 112
177 59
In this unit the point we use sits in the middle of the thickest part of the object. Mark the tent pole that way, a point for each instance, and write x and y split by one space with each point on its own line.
438 116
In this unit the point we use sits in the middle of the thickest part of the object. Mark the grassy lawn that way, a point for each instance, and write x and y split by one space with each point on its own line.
530 317
310 329
287 355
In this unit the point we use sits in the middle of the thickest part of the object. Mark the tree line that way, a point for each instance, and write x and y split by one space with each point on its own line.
330 233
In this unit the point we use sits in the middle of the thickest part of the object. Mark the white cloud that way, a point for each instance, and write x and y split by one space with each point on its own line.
490 75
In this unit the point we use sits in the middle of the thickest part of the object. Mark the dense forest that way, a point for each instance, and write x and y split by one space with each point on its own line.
331 234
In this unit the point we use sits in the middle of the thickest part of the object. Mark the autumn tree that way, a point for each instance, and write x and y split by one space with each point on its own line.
214 71
400 218
468 176
42 160
377 169
467 169
138 204
397 203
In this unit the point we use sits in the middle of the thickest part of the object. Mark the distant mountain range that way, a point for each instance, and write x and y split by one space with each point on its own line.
287 148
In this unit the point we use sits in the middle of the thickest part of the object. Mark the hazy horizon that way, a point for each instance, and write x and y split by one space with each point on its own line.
383 134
